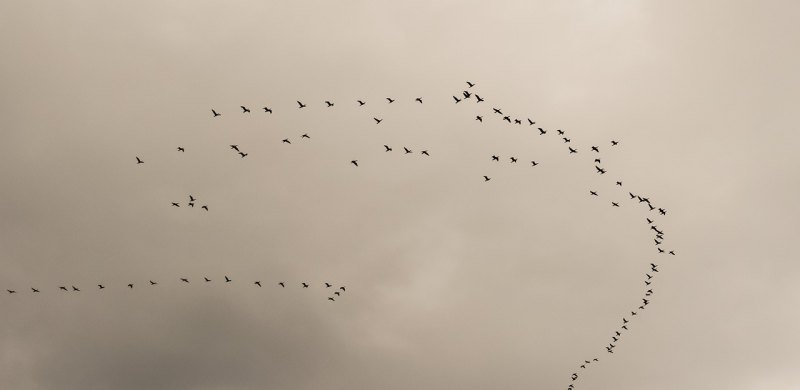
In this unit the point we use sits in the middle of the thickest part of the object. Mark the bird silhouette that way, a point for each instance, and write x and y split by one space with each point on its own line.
614 143
227 280
281 284
360 103
593 193
597 160
631 195
205 207
470 84
425 152
152 283
180 149
660 250
478 98
286 141
305 285
619 183
507 118
268 110
486 178
331 299
662 211
390 100
75 288
517 122
377 121
419 99
329 103
257 283
176 204
328 285
342 288
11 291
300 104
388 149
479 118
216 114
130 285
594 148
672 253
407 150
456 99
191 198
34 290
139 160
513 160
243 154
62 288
244 109
305 136
100 287
495 158
572 151
354 162
530 122
542 131
336 293
534 163
235 147
615 204
560 132
566 140
600 170
184 280
497 111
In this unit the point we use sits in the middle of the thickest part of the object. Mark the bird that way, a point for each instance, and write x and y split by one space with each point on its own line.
495 158
216 114
566 140
560 132
615 204
305 285
513 160
662 211
281 284
624 321
329 103
660 250
180 149
507 118
470 84
407 150
267 110
331 299
205 207
609 350
597 160
360 103
354 162
530 122
648 276
75 288
257 283
542 131
130 285
615 339
139 160
657 242
377 121
152 283
497 111
328 285
651 207
572 150
176 204
648 293
479 118
456 99
184 280
390 100
534 163
614 143
486 178
645 301
227 280
191 198
594 148
11 291
593 193
600 170
672 253
305 136
336 293
478 98
100 286
425 152
653 267
631 195
342 288
34 290
633 313
517 122
243 154
624 327
286 141
300 104
419 99
191 204
244 109
388 149
619 183
466 94
235 147
595 359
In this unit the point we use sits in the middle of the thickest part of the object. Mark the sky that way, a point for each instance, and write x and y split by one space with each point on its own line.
451 281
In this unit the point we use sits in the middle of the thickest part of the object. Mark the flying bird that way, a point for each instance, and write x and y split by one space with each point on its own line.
336 293
305 136
619 183
286 141
130 285
11 291
480 99
594 148
495 158
513 160
600 170
456 99
517 121
180 149
227 280
507 118
305 285
300 104
65 289
185 280
530 122
425 152
377 121
235 147
388 149
497 111
560 132
243 154
75 288
466 94
614 143
534 163
176 204
479 118
615 204
407 150
419 99
470 84
281 284
566 140
216 114
331 299
662 211
328 285
342 288
205 207
244 109
390 100
486 178
257 283
354 162
593 193
572 150
329 103
152 283
139 160
597 160
672 253
360 103
100 286
542 131
34 290
268 110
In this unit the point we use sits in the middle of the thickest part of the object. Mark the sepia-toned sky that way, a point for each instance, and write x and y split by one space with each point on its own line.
452 282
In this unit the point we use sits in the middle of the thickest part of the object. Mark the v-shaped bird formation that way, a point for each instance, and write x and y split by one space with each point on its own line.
482 114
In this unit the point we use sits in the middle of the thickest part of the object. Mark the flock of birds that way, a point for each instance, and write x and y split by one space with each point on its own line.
498 115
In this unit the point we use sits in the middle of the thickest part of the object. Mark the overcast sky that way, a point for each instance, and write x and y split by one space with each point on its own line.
452 282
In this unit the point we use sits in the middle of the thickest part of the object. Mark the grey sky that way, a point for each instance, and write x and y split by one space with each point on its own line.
452 282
